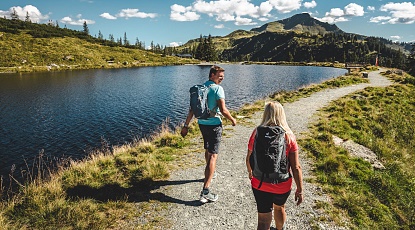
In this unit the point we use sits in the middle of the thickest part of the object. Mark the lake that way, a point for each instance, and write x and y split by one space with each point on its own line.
71 113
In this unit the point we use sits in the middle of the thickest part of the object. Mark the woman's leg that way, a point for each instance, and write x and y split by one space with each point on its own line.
264 221
280 216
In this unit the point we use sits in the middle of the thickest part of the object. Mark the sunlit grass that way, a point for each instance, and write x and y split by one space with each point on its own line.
382 120
98 192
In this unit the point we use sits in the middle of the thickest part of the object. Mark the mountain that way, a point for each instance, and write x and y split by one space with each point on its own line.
300 23
299 38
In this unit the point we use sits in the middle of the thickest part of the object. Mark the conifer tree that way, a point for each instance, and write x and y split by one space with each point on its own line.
14 15
126 42
86 30
100 36
27 19
111 38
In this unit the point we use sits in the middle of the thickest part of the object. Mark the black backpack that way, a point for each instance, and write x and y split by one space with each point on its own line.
268 160
198 101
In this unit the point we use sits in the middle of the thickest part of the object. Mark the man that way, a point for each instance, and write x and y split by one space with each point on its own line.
211 128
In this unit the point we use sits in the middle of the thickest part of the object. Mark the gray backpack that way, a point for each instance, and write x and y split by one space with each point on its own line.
269 161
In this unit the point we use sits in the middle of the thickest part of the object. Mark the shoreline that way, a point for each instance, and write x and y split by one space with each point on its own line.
62 67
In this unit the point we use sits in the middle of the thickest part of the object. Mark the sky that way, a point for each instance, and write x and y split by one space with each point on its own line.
174 22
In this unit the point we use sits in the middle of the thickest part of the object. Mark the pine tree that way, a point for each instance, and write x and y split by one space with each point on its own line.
14 15
100 36
126 42
111 38
86 30
27 19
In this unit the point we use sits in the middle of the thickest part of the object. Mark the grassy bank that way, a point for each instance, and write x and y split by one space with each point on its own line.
24 53
382 120
103 191
113 187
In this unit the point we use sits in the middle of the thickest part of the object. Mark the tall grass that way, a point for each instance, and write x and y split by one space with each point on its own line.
382 120
102 191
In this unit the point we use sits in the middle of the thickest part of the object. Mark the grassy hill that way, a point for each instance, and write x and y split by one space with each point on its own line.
34 47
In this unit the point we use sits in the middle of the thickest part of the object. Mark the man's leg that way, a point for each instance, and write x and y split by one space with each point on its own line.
210 168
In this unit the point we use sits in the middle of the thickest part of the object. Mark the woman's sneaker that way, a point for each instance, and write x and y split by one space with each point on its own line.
206 196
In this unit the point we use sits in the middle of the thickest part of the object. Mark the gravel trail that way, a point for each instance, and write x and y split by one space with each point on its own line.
236 207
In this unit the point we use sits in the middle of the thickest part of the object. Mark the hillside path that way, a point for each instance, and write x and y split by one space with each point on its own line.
236 207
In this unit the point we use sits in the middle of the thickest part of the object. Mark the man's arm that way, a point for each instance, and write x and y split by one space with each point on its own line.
185 127
225 112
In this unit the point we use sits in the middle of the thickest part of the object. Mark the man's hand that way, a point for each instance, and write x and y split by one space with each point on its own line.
184 131
233 122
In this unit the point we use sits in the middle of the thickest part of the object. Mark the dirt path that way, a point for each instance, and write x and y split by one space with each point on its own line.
236 207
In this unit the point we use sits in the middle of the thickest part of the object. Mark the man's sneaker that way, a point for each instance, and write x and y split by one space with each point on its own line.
208 197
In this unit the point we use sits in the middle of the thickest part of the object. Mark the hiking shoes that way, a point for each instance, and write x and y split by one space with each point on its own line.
208 197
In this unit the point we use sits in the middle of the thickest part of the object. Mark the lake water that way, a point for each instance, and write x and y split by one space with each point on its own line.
70 113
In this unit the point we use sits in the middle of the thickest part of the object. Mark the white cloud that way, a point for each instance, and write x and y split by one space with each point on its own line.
332 20
220 26
108 16
399 12
335 12
396 37
239 11
34 14
76 22
174 44
183 14
285 6
371 8
343 15
225 18
311 4
354 9
239 21
264 9
263 19
134 13
380 19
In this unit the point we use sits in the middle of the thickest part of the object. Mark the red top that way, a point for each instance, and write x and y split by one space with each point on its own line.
279 188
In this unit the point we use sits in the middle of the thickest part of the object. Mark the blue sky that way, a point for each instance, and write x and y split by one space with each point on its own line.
174 22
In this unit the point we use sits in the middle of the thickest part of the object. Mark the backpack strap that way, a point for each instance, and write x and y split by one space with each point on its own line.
212 114
262 180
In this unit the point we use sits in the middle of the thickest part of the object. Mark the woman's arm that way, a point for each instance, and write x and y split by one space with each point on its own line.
297 174
248 165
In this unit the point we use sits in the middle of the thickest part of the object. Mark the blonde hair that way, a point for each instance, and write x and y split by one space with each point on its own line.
274 114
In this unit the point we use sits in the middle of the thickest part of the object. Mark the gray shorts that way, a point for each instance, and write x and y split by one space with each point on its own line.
212 135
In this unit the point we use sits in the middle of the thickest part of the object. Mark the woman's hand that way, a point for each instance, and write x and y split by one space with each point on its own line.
298 197
250 175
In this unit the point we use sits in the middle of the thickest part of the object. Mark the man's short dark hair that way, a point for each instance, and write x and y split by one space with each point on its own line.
214 69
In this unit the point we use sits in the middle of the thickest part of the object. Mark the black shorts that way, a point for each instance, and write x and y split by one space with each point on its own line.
264 200
212 135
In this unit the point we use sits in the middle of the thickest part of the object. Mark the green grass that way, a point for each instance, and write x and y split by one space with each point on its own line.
22 52
103 191
382 120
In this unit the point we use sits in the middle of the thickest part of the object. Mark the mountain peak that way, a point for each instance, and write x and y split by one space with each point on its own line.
299 23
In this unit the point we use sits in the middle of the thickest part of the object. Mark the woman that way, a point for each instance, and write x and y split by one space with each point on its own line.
269 196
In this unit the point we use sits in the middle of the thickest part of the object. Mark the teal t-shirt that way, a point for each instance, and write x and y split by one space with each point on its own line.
215 93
